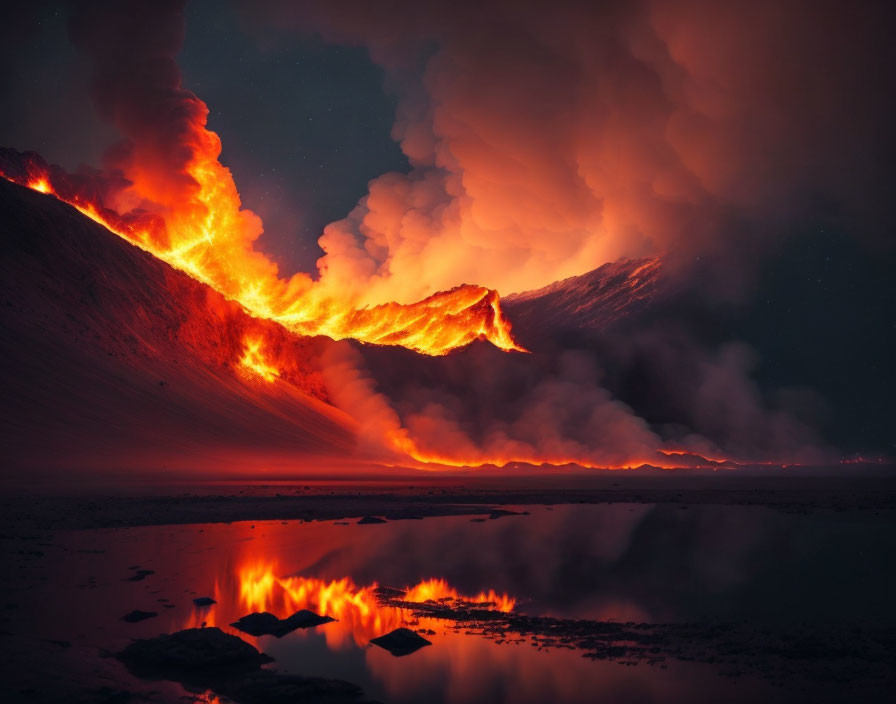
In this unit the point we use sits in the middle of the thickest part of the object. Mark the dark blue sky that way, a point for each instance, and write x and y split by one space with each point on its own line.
304 125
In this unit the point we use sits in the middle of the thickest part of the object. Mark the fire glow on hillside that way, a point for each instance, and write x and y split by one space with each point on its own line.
437 325
208 237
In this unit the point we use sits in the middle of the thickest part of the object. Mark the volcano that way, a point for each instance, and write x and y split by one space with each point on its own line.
590 302
118 361
113 359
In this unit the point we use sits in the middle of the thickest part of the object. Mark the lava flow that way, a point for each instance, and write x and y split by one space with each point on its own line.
201 230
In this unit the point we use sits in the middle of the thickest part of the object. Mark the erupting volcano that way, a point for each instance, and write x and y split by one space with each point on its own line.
203 232
621 247
447 352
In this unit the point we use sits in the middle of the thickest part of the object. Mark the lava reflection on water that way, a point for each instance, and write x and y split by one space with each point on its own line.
360 612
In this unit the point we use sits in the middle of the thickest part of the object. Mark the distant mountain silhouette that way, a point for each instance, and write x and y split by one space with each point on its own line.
589 302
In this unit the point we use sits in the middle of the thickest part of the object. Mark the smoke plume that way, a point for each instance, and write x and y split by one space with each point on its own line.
549 138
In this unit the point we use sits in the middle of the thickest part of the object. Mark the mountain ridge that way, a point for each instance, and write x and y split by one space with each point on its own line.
115 359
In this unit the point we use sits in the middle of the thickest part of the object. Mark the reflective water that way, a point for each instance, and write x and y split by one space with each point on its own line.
642 563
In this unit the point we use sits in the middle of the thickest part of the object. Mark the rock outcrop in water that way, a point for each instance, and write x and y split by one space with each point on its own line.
136 616
401 641
266 624
208 658
193 649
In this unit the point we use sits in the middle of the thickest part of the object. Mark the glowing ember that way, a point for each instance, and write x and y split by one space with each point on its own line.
254 360
40 184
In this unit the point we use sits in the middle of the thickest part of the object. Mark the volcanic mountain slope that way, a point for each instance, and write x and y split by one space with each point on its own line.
567 314
113 359
591 301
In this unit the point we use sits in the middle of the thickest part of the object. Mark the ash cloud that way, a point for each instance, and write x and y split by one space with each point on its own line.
549 138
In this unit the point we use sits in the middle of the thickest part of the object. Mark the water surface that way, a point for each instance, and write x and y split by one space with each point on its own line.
625 563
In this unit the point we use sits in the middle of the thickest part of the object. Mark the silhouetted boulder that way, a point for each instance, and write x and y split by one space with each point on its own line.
388 593
500 513
266 624
140 575
193 649
137 615
208 658
368 520
401 641
204 601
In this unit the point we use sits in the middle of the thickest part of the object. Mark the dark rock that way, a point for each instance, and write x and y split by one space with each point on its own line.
139 575
106 695
389 593
305 619
204 601
266 624
500 513
193 649
258 624
265 687
208 658
401 641
369 520
137 615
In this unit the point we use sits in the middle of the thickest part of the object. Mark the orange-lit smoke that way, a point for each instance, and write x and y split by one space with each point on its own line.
171 196
547 138
216 248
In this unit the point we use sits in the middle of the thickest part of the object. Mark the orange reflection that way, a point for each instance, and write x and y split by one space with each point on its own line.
360 614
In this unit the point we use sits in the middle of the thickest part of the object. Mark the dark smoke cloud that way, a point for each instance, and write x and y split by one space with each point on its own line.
612 399
136 86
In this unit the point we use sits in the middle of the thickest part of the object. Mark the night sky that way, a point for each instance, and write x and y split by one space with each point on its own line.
306 124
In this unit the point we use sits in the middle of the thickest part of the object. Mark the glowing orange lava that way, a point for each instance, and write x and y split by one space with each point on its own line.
204 233
254 360
401 441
